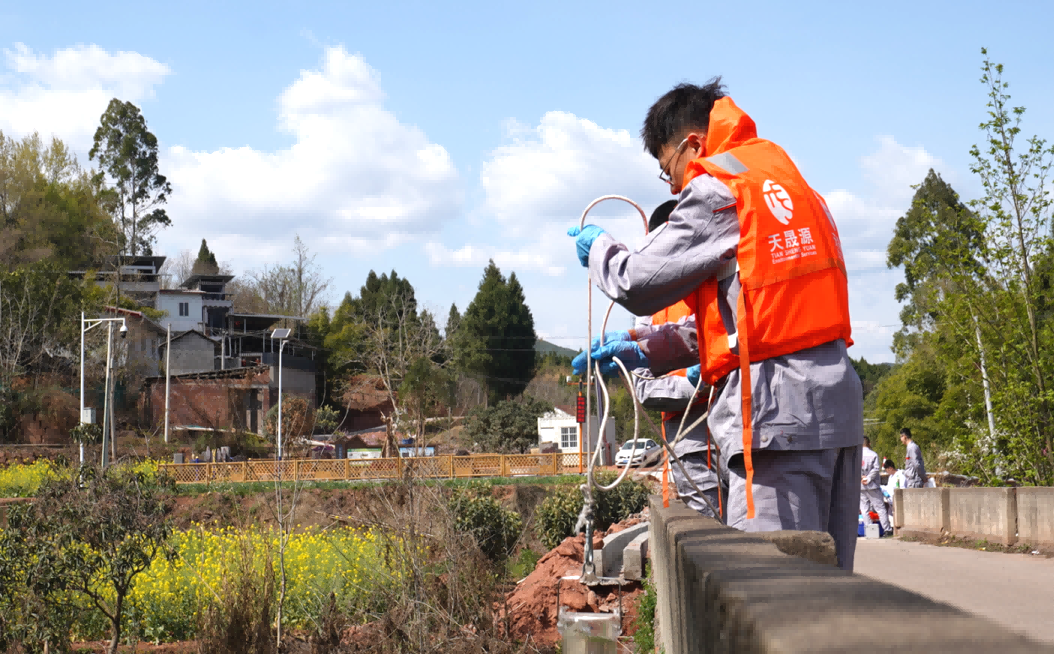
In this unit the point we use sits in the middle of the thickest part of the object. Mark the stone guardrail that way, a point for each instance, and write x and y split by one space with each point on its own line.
1006 515
725 591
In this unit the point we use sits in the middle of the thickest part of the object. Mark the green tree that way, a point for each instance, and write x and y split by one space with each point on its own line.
205 264
509 426
496 336
49 207
127 154
108 527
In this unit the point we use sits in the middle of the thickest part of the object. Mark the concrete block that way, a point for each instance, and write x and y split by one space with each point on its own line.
983 513
608 559
1035 516
634 557
898 508
925 511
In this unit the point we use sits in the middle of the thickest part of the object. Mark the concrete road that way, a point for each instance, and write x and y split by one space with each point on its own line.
1016 591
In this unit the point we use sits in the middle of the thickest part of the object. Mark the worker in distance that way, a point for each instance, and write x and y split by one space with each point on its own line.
754 253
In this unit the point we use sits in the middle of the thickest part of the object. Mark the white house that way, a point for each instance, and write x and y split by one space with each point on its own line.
559 427
185 309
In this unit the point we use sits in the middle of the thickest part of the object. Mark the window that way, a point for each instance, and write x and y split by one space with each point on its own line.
569 437
184 309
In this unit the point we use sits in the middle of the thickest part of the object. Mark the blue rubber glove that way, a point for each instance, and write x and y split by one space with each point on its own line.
586 236
578 364
627 351
693 374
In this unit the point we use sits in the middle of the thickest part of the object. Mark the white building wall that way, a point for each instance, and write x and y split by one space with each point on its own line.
549 431
169 302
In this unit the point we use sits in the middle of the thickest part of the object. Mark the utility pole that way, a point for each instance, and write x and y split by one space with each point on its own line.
168 368
107 401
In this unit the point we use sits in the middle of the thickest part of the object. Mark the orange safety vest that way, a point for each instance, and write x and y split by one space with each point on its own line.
794 292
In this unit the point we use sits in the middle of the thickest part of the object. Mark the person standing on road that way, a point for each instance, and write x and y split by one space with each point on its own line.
914 469
870 490
755 253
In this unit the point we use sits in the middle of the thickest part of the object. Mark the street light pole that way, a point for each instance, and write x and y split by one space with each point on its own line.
106 426
88 324
281 347
168 360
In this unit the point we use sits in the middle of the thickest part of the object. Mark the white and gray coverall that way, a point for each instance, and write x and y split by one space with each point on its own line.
914 469
871 497
808 405
671 394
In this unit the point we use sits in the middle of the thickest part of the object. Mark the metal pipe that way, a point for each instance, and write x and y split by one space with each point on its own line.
82 390
168 372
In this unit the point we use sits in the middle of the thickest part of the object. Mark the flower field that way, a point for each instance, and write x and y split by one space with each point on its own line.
169 599
23 480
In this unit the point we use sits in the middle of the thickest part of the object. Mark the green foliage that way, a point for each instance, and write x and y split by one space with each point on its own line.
508 427
557 515
86 433
127 154
870 374
524 565
494 528
644 624
24 480
205 264
326 419
495 338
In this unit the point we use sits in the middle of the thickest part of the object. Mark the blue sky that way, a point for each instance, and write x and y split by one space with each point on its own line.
428 138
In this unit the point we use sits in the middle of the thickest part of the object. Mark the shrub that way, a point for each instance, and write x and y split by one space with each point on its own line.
494 528
557 515
644 624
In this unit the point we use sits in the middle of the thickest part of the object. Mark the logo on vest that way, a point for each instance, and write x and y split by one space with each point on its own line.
778 201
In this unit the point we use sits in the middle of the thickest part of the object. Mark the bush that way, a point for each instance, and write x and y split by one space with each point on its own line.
557 515
494 528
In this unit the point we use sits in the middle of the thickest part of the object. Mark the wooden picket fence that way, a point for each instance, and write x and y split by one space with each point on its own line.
441 466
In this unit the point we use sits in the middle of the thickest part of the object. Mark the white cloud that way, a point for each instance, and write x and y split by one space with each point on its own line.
894 168
356 179
65 93
547 174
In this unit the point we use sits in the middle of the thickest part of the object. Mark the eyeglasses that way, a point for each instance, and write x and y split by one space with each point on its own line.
663 175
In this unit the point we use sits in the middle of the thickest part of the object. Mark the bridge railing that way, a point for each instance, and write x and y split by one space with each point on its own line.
720 590
385 468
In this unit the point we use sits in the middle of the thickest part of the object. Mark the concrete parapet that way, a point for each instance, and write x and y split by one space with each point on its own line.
983 513
722 590
634 556
922 511
1035 516
609 557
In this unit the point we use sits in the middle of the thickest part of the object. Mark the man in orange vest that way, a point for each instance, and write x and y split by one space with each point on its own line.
755 253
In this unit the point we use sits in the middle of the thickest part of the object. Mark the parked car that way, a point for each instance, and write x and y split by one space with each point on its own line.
647 452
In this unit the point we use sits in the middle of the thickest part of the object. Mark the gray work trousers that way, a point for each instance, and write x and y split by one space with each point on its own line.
873 500
800 490
695 466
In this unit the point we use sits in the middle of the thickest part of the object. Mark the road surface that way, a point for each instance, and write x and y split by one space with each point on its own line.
1014 590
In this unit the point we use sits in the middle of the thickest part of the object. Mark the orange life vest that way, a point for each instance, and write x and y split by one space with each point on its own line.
794 293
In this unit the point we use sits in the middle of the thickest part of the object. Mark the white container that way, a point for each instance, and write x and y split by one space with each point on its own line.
871 531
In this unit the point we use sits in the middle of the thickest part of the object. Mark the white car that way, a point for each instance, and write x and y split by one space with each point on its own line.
647 452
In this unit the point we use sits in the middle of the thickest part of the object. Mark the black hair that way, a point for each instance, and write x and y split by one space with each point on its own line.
867 442
683 108
661 215
906 432
888 464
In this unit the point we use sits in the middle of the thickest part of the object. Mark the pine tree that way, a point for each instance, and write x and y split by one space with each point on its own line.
496 340
205 264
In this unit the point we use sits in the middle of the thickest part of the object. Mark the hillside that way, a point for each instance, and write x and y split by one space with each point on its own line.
542 346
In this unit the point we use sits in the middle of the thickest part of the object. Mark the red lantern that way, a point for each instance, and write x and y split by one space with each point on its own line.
580 409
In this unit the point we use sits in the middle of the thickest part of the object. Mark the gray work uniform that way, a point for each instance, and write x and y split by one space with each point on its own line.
914 469
871 498
671 394
804 403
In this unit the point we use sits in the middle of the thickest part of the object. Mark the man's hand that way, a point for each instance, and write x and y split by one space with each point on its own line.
586 236
628 352
578 364
693 374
